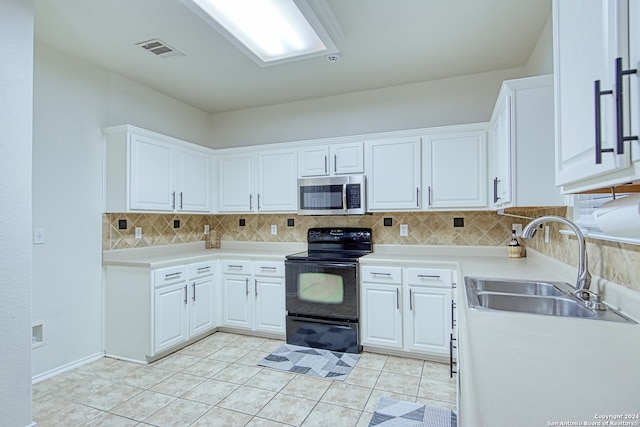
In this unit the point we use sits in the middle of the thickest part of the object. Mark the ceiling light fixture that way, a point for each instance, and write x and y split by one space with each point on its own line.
269 31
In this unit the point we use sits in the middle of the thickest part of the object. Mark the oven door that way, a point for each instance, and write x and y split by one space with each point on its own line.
322 289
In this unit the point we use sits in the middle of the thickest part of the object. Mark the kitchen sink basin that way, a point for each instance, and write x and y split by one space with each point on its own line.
538 305
522 287
533 297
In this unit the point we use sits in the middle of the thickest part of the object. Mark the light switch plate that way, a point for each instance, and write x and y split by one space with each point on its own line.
274 229
138 232
404 229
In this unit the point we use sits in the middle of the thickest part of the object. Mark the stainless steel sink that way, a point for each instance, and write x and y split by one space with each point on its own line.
533 297
522 287
537 305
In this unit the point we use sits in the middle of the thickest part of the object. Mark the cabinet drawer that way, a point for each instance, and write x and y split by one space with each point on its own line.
165 276
235 266
201 269
430 277
381 274
268 268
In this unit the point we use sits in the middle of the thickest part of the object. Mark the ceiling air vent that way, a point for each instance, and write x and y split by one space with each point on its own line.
159 48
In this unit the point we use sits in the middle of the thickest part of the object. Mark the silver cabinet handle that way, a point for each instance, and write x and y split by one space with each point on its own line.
599 150
181 200
335 163
204 269
234 266
255 287
258 201
398 298
246 286
428 276
193 297
173 197
267 268
417 197
185 294
325 164
374 274
169 276
250 201
429 196
495 190
411 299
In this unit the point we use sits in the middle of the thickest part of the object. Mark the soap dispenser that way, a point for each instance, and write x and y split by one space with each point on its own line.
515 249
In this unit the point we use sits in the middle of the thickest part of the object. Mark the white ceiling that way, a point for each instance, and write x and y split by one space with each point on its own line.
385 43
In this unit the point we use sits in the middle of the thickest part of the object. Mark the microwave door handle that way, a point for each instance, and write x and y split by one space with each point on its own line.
344 197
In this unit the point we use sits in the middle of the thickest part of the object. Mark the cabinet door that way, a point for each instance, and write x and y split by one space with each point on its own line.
313 161
237 303
428 320
393 174
171 323
151 174
236 183
347 158
194 180
588 36
500 191
201 306
270 308
458 165
381 316
277 181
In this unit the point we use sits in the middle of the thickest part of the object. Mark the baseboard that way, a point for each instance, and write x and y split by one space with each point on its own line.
64 368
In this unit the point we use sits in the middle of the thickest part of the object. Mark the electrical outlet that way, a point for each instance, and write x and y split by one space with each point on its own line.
138 232
274 229
206 229
38 236
404 230
517 228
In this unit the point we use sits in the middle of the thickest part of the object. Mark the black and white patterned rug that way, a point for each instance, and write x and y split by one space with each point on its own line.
398 413
311 361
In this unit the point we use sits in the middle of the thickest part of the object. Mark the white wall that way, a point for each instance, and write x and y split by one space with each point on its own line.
541 59
458 100
73 100
16 75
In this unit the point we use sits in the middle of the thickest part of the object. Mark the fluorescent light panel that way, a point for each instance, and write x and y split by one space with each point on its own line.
272 30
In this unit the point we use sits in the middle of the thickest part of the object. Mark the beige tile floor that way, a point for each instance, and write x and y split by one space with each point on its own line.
216 382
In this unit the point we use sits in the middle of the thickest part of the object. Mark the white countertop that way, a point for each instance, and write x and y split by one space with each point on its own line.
186 253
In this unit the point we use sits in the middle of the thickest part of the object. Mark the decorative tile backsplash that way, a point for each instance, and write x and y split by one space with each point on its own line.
481 228
616 262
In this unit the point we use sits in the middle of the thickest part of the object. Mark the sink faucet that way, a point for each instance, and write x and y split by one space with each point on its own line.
584 278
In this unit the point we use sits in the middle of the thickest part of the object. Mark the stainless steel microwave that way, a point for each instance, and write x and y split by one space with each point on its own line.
336 195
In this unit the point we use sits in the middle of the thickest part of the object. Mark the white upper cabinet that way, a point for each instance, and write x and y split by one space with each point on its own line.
454 167
593 130
236 182
258 182
522 145
325 160
276 181
149 172
393 174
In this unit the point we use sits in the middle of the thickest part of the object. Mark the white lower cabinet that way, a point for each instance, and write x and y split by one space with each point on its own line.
151 312
254 295
381 315
407 309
